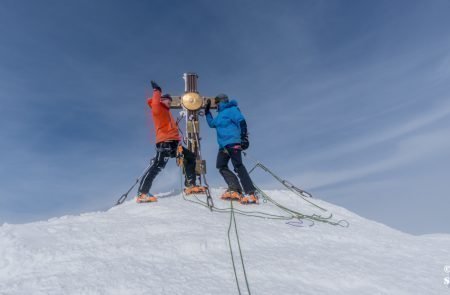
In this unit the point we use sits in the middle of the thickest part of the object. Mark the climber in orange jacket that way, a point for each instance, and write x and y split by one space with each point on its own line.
167 144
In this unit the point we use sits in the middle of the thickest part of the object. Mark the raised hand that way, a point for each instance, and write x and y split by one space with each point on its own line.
207 106
155 86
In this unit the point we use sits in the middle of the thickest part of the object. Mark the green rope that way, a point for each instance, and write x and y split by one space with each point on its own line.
299 215
283 182
239 246
233 220
298 192
292 215
258 214
231 252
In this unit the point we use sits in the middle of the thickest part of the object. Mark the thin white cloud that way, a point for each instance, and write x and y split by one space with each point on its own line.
439 112
408 150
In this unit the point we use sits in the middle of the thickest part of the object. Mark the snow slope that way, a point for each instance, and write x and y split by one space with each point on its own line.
178 247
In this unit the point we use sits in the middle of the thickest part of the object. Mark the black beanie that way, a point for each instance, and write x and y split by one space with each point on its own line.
166 96
221 97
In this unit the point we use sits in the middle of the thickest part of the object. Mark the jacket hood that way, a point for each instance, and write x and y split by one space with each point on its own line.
225 105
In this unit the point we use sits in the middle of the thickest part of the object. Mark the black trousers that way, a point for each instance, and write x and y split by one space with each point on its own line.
164 151
234 153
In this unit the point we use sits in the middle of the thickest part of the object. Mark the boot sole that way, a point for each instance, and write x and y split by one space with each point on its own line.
143 201
249 203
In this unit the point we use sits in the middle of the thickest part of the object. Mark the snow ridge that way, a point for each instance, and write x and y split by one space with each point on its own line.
178 247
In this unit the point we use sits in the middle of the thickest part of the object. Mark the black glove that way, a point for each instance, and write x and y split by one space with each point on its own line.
244 142
207 106
244 135
155 86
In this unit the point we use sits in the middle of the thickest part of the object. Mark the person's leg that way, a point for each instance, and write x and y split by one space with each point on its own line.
189 167
236 159
189 162
230 178
158 163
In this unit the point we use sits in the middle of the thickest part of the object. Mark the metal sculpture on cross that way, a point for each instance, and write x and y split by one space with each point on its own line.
192 104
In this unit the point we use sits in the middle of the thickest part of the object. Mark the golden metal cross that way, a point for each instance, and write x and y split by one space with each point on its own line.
192 102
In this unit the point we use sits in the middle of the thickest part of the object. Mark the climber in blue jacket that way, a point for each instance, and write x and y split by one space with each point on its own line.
232 138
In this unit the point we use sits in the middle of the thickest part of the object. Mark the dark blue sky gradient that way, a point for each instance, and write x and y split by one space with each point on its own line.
347 99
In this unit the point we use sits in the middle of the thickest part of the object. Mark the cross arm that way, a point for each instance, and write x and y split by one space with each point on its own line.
176 102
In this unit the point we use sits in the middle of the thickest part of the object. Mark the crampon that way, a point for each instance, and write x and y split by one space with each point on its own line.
195 190
146 198
231 195
249 199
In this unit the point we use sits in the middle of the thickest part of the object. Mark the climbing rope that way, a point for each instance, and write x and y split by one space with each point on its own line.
293 217
125 195
233 220
301 193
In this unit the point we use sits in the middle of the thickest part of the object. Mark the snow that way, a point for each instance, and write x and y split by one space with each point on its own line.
179 247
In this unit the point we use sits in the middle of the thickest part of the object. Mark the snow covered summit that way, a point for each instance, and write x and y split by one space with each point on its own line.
179 247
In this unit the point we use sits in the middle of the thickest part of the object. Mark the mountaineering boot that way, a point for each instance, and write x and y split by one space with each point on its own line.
145 198
251 198
231 195
195 189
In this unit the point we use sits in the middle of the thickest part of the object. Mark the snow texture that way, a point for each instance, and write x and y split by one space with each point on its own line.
179 247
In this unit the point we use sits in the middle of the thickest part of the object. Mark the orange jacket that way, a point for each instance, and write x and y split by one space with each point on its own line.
165 125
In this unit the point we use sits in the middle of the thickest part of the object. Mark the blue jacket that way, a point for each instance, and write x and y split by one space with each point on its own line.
227 123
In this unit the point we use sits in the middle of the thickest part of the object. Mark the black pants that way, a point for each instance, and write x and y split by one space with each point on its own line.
234 153
164 151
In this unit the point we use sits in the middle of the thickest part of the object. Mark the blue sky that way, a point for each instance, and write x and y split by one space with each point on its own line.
347 99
